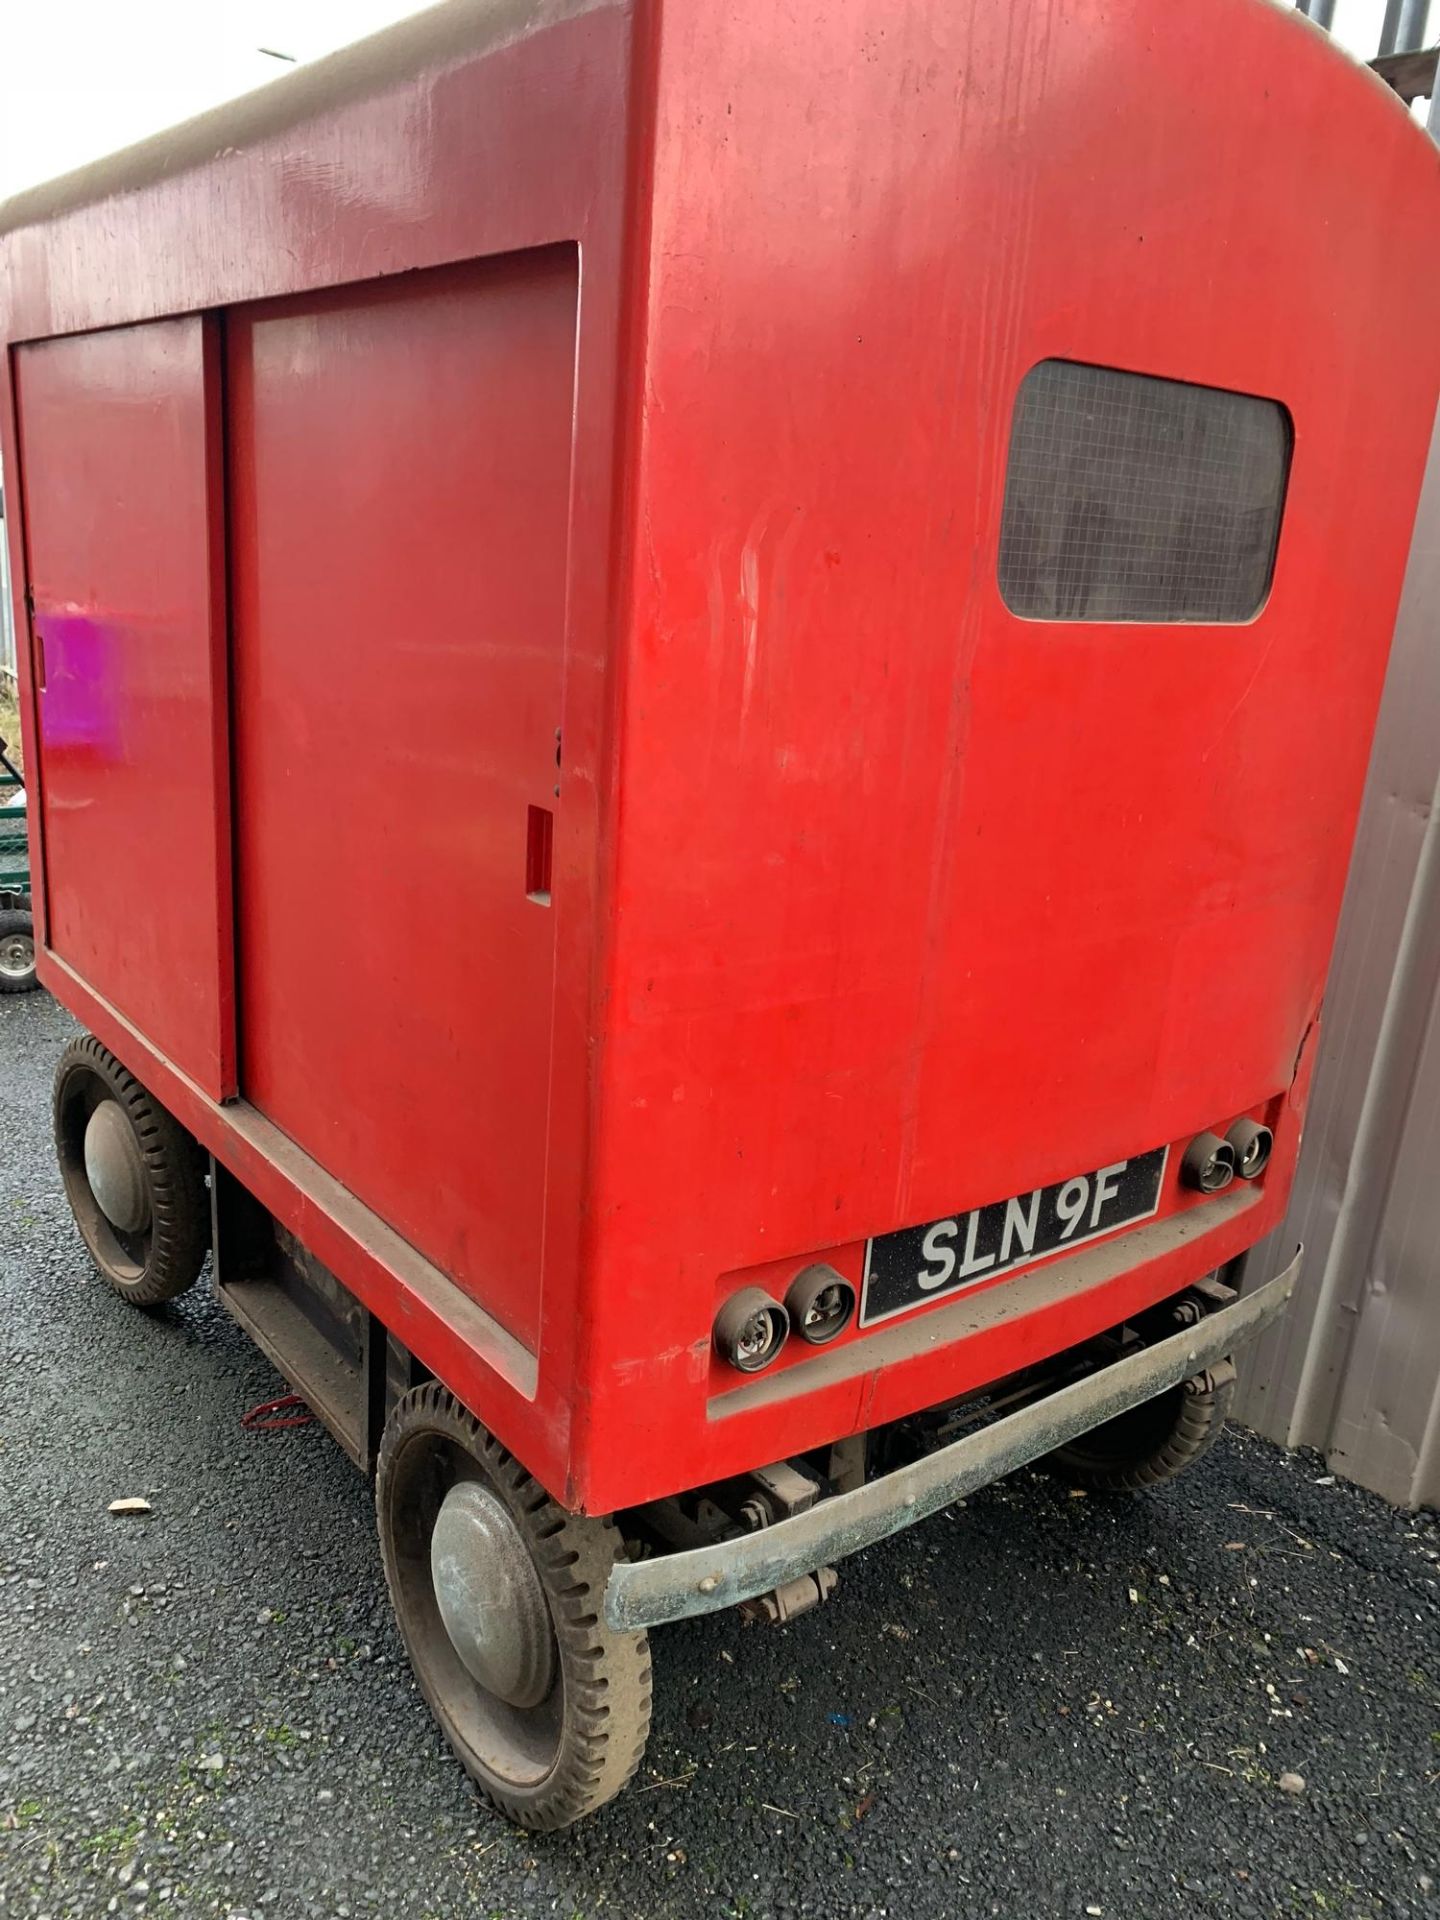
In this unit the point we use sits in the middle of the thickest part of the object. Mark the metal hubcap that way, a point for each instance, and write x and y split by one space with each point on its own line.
17 955
115 1169
490 1598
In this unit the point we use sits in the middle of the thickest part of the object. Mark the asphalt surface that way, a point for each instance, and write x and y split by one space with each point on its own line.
1035 1705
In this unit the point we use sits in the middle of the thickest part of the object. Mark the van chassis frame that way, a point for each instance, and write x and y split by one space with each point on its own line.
763 1541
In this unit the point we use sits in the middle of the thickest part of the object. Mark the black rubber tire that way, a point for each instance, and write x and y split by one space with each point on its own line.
166 1258
1151 1444
598 1707
15 920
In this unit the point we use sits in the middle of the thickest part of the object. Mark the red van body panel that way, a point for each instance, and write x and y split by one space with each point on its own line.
508 536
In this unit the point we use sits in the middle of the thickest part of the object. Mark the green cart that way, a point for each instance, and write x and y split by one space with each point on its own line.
17 928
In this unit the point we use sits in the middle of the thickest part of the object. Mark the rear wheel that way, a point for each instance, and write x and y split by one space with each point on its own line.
17 951
499 1596
1151 1444
134 1178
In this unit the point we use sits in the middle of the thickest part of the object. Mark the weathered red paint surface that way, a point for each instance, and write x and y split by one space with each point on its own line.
395 722
871 902
117 437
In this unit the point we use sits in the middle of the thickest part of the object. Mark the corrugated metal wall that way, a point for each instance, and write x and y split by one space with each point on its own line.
1354 1369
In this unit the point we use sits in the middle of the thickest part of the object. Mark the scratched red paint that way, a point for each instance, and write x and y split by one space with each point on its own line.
872 903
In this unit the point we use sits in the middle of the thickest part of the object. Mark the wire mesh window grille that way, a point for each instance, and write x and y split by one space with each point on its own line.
1131 498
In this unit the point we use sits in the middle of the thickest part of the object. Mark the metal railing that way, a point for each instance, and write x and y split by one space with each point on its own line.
1402 30
1404 27
1401 56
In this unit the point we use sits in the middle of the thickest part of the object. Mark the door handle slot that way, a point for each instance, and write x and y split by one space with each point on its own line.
539 849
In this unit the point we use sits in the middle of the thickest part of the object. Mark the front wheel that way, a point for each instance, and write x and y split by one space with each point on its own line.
499 1595
1148 1445
135 1179
17 951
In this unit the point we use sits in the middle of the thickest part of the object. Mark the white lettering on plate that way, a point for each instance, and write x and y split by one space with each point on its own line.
1107 1185
943 1256
1070 1203
970 1264
1020 1225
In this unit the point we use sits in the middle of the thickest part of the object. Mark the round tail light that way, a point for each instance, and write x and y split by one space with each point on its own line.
1251 1145
821 1303
750 1329
1209 1163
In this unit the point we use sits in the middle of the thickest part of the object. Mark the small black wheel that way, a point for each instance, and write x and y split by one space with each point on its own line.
498 1592
1152 1443
135 1179
17 951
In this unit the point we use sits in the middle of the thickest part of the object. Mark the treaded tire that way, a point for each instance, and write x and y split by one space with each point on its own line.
1150 1444
597 1713
161 1261
15 921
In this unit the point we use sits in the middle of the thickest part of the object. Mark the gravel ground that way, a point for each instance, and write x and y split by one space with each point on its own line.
1036 1705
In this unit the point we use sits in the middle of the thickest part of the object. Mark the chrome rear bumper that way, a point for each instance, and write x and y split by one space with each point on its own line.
647 1593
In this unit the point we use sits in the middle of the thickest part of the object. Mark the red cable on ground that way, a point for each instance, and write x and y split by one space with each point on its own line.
270 1416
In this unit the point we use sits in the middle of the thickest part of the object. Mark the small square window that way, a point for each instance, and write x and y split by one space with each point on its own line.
1131 498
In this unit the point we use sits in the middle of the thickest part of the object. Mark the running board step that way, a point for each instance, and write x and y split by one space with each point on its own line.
313 1329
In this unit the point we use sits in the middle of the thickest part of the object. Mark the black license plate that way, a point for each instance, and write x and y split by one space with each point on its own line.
905 1269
